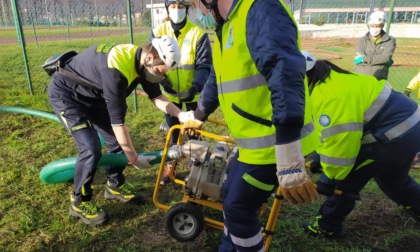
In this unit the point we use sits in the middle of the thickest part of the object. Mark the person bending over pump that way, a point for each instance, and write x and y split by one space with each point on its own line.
95 102
368 131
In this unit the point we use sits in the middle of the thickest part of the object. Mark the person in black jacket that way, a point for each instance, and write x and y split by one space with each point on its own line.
113 71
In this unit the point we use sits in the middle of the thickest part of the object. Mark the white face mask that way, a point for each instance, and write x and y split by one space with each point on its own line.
375 31
177 15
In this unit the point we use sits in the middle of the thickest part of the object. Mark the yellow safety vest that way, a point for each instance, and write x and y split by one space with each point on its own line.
121 57
182 76
341 106
243 93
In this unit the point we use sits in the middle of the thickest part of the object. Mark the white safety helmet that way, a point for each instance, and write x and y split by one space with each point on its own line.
168 50
310 60
377 17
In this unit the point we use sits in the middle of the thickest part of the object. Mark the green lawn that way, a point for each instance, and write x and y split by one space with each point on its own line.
34 216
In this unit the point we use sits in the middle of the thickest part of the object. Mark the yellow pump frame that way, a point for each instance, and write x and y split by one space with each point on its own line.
268 231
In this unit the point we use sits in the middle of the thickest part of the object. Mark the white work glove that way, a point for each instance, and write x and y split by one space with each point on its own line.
297 186
189 123
183 117
143 162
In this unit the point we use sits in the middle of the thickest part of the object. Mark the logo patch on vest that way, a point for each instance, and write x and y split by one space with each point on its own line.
229 41
324 120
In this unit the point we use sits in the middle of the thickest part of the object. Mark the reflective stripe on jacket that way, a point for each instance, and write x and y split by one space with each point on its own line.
244 96
350 110
183 76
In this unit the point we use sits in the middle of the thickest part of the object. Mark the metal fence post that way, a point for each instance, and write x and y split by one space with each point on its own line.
130 27
391 10
21 39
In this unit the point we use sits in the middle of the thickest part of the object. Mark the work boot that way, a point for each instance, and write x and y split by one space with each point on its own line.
87 212
165 179
314 229
123 193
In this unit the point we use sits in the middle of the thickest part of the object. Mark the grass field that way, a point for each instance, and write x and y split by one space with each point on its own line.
34 216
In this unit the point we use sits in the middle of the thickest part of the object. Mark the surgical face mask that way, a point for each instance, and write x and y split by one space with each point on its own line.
177 15
375 31
151 76
214 10
207 21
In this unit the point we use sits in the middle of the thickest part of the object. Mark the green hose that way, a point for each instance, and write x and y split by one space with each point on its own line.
63 170
30 112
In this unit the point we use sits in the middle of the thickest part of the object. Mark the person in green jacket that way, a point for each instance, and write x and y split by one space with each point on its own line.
368 131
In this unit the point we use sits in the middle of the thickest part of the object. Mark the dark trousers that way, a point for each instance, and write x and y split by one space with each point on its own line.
241 204
390 170
172 120
84 116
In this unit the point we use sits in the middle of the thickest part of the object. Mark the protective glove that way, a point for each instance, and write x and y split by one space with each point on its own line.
390 63
315 167
190 95
325 185
143 162
167 86
191 126
297 186
358 60
407 92
183 117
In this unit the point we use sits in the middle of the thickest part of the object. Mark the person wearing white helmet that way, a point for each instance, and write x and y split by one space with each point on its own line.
374 51
368 131
89 97
183 85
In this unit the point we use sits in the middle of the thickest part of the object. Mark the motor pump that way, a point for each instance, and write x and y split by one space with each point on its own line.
208 169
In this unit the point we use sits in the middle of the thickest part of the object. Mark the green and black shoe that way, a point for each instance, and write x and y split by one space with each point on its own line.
314 229
88 212
124 194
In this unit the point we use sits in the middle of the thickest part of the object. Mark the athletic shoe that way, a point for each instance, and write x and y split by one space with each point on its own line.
123 193
165 179
314 229
88 212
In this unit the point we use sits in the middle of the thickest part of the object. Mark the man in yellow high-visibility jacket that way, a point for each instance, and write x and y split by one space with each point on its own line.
183 85
367 131
258 81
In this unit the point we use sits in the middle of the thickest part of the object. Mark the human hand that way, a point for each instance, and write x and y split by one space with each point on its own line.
190 95
190 127
407 92
297 186
325 188
315 167
359 60
141 92
143 162
183 117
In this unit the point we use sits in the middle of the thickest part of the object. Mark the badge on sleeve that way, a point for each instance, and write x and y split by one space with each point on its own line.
324 120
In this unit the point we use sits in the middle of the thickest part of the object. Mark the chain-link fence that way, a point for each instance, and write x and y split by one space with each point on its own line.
329 29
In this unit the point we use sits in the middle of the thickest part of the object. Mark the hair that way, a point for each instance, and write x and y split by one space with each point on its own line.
321 71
